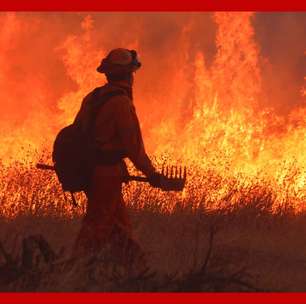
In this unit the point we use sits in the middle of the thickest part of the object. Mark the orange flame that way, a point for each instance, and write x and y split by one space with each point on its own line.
207 116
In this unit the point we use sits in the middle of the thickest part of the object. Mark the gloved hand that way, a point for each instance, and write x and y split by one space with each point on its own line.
156 180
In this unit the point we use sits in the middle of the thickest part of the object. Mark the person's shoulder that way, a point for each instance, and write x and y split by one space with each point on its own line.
87 98
120 101
115 97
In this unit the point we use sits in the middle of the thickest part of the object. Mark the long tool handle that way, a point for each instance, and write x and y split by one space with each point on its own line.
129 178
174 182
44 167
137 178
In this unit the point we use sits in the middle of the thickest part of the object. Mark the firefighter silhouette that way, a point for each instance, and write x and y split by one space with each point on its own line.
117 135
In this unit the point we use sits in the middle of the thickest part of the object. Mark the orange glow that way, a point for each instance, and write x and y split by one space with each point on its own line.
208 117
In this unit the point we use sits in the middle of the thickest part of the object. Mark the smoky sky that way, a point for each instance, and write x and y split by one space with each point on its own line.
282 40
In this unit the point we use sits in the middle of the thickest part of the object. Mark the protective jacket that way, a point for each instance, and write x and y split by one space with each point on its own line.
116 129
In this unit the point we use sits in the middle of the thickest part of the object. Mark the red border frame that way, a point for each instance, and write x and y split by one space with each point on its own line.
153 5
152 298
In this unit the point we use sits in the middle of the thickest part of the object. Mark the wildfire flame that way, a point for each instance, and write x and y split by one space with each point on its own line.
209 117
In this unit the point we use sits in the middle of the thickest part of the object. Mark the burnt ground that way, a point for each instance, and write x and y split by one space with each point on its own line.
186 251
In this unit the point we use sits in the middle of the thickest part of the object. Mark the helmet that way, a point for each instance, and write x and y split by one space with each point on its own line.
119 61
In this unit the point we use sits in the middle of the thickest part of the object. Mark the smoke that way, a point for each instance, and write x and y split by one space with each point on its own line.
282 41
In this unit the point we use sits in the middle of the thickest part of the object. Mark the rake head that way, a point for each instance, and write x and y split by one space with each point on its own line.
174 178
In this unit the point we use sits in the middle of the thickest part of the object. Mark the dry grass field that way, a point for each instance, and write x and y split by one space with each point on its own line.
249 246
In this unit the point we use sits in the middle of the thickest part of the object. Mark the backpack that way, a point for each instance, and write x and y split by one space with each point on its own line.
74 150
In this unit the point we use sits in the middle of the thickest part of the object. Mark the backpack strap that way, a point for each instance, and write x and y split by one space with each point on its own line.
74 202
99 100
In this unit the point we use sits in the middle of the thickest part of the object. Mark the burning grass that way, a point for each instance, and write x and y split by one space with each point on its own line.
25 190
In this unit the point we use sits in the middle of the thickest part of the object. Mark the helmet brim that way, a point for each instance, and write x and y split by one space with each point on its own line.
105 68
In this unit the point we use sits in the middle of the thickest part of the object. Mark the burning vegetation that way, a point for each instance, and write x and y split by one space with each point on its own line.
208 114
